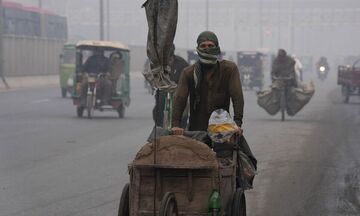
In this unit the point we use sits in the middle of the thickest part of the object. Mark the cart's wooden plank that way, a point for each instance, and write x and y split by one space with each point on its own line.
162 166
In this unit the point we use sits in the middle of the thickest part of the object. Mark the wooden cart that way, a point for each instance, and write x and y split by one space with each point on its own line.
349 79
179 180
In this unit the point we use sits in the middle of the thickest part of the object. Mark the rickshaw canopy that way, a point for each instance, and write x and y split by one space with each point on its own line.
102 44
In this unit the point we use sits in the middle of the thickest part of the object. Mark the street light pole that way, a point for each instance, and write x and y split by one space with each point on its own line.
2 74
108 19
291 27
261 24
101 12
207 14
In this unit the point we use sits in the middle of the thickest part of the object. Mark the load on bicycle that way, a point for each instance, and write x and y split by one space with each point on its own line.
287 93
102 80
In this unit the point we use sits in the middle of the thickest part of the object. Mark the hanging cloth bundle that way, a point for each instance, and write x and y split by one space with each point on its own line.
162 20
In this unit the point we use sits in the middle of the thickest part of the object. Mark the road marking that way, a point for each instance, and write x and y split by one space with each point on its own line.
40 101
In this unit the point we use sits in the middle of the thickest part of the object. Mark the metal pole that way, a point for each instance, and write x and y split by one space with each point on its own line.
261 24
101 19
207 14
291 27
108 19
279 25
2 74
40 3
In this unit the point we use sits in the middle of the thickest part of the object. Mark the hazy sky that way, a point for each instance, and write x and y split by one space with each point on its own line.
307 27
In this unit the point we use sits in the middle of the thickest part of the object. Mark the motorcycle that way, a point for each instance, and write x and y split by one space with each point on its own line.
91 101
322 72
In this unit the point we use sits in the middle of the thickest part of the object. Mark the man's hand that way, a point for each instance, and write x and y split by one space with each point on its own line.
177 131
239 131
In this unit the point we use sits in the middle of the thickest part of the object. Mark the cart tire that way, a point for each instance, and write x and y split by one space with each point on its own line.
63 92
124 205
238 204
121 111
79 111
345 93
168 205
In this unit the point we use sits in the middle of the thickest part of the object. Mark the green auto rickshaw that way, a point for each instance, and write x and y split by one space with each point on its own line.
67 69
102 77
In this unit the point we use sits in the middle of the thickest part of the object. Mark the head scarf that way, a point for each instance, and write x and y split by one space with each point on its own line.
208 55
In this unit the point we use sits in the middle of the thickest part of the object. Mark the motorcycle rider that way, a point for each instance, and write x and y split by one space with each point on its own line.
96 64
322 63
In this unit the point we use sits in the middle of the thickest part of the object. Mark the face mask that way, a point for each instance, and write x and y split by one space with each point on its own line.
208 56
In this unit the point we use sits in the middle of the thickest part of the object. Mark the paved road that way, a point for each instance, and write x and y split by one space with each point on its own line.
53 163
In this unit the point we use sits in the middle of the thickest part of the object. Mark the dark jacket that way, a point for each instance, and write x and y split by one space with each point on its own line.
216 89
283 68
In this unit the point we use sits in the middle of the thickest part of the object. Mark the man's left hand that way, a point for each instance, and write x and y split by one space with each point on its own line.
239 131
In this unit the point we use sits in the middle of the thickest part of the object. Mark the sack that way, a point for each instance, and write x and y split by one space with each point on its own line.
299 97
246 169
268 100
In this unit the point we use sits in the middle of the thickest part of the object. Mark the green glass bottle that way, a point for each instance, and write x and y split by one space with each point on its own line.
214 206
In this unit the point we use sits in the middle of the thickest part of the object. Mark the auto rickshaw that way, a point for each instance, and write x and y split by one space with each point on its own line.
67 69
250 66
87 84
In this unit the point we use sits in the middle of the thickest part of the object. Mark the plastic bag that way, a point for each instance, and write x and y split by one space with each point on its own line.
221 126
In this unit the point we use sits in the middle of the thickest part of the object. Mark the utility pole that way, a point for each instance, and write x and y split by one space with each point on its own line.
108 19
207 14
101 12
291 26
2 74
279 25
261 24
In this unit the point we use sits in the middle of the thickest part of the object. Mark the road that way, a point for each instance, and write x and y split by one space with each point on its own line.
53 163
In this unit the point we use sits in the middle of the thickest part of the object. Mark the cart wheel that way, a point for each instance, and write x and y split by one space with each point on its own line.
121 111
63 92
168 206
345 93
79 111
238 204
124 201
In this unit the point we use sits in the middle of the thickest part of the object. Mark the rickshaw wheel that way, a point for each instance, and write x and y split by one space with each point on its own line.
63 92
79 111
121 111
238 204
90 108
168 205
124 202
345 93
89 113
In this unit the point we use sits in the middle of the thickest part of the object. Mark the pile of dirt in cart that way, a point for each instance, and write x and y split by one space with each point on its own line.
177 151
